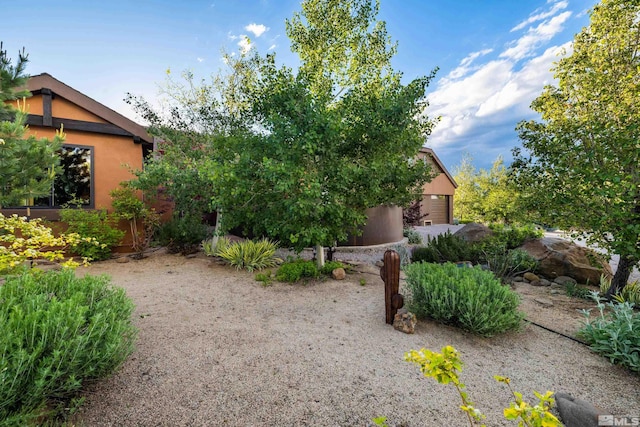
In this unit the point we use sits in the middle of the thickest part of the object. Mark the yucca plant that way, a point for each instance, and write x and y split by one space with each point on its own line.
249 255
630 293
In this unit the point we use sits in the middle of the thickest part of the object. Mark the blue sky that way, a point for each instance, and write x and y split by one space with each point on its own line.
494 55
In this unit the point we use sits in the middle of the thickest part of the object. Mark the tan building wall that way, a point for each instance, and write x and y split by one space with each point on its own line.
118 144
437 195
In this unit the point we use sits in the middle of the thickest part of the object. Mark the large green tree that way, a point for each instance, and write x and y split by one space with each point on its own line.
298 155
27 164
485 195
336 137
580 166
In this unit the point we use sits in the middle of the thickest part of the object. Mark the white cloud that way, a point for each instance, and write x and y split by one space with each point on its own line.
232 36
244 43
526 44
481 100
256 29
200 59
539 16
273 46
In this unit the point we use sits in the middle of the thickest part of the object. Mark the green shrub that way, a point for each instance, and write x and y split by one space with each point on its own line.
414 238
248 254
501 261
56 333
443 248
293 271
577 291
329 266
265 278
470 298
513 236
614 334
182 234
403 253
96 224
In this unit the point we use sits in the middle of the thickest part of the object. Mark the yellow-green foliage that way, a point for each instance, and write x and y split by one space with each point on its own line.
249 255
445 368
630 293
22 240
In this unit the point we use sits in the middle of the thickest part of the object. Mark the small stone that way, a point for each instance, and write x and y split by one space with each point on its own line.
405 322
517 279
563 280
544 302
190 256
123 260
555 292
380 263
530 277
545 282
338 274
536 283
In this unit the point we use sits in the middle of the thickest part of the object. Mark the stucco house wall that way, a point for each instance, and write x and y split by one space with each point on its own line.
115 143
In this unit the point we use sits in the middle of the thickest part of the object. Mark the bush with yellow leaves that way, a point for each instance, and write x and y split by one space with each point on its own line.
23 240
444 368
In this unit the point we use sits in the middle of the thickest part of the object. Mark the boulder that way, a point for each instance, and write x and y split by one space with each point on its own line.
531 277
560 257
577 412
405 322
473 232
338 274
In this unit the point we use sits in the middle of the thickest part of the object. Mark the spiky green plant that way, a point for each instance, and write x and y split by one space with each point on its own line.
249 255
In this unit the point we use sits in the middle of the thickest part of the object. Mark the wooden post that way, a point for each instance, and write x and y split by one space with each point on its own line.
390 274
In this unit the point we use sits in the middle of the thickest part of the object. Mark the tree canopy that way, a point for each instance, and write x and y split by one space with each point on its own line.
485 195
580 165
27 164
300 155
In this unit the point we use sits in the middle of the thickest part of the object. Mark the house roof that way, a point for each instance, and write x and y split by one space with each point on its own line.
439 163
42 81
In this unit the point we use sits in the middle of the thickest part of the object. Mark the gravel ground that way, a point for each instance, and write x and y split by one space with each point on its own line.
215 348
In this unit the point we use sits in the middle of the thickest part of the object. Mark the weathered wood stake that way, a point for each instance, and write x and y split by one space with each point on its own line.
390 274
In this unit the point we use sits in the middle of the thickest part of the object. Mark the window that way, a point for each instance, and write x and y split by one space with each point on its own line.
74 181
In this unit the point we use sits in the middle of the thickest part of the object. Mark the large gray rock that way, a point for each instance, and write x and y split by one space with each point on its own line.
474 232
559 257
576 412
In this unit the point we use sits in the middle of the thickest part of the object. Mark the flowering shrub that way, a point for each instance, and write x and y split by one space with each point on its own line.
444 368
22 240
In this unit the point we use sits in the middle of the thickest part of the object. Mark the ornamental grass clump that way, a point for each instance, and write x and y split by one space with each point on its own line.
57 332
249 255
470 298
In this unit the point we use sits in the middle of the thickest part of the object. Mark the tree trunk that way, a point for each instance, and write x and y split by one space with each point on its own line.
320 256
621 277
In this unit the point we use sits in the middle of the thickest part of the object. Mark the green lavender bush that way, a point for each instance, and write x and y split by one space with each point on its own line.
470 298
56 333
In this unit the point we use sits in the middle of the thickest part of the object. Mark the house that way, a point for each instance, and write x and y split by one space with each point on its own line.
100 146
384 223
437 195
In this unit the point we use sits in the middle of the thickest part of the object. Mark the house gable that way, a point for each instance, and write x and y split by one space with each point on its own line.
109 144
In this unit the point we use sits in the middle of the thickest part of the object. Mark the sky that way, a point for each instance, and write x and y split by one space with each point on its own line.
494 56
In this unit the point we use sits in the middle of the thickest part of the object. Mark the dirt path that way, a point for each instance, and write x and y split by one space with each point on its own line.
216 348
